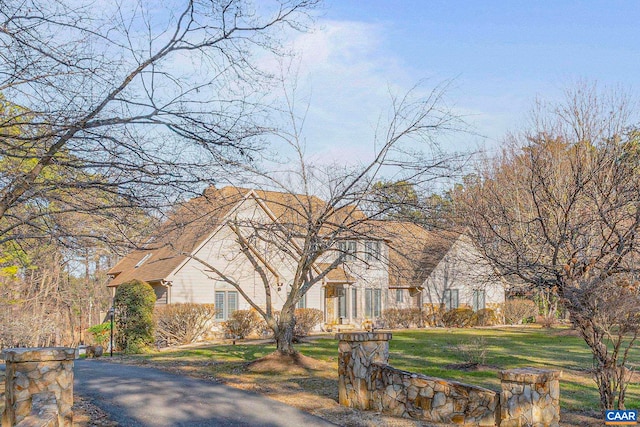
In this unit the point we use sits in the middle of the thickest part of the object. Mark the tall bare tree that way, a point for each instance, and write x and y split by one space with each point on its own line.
321 208
108 111
130 98
560 210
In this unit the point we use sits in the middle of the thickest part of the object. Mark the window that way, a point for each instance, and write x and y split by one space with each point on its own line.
347 248
478 302
342 302
399 295
302 302
450 299
225 304
142 261
372 250
354 303
372 303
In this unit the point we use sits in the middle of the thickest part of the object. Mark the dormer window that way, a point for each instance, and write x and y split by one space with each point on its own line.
143 260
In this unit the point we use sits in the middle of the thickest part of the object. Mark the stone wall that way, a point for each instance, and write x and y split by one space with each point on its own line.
357 352
31 371
2 398
409 395
529 397
44 412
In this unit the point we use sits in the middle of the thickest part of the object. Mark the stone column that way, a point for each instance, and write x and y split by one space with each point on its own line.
2 398
530 397
36 370
356 352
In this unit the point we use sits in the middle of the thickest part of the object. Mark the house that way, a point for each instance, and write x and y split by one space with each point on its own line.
242 236
438 269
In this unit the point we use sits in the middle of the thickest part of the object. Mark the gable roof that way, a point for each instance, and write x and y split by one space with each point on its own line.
186 229
194 222
414 251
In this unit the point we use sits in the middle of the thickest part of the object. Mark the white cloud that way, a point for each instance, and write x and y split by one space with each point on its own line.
346 75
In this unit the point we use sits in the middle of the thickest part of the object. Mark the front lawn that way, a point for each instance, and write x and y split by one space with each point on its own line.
434 352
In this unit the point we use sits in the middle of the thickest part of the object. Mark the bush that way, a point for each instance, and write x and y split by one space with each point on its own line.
485 317
133 303
433 316
403 317
306 320
240 324
101 333
547 322
517 310
262 329
473 353
178 324
458 318
391 317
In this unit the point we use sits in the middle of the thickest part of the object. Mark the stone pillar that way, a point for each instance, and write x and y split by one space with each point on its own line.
356 352
2 398
36 370
530 397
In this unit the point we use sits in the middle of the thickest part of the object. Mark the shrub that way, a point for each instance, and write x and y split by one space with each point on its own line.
178 324
485 317
458 318
133 303
101 333
391 317
433 316
403 317
262 329
517 310
306 320
417 317
240 324
547 322
473 352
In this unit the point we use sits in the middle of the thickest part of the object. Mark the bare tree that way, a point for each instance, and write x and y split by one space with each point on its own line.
108 112
559 210
317 210
129 99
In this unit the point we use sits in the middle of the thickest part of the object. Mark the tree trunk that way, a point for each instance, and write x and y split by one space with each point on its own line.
284 331
605 364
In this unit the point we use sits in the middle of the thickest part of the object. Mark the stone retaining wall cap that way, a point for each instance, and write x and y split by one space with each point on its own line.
532 375
38 354
363 336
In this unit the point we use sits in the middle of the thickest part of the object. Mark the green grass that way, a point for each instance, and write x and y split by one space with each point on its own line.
429 351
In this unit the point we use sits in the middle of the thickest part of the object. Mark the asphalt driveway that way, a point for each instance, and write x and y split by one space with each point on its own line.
141 396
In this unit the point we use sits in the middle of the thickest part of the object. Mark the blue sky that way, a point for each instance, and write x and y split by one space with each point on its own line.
500 54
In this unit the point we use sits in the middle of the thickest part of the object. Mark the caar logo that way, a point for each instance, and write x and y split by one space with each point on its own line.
621 418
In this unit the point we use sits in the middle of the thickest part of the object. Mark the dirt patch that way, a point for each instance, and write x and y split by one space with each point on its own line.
294 364
580 419
86 414
567 333
468 366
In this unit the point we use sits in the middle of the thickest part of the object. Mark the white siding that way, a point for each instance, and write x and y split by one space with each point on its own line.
463 268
